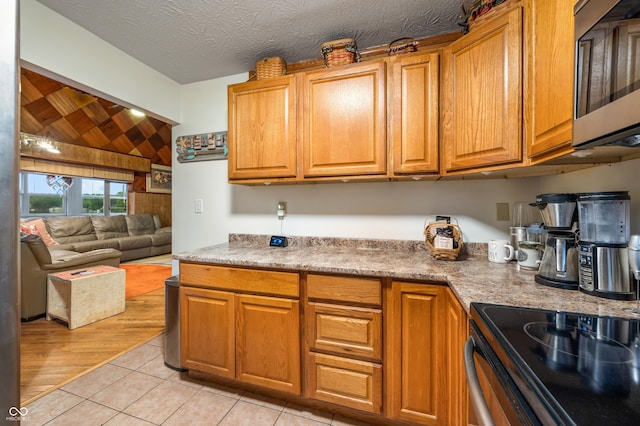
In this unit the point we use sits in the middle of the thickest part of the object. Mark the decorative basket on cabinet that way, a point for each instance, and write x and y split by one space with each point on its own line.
340 52
270 68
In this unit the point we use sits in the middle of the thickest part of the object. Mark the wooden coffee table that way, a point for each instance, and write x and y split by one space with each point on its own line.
85 296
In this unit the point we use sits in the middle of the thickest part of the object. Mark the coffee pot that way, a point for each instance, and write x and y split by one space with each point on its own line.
604 236
559 264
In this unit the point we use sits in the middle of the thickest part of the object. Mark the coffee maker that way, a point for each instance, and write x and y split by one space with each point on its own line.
604 237
559 264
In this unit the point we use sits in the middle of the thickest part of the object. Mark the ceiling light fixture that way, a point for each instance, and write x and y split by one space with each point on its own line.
137 113
38 142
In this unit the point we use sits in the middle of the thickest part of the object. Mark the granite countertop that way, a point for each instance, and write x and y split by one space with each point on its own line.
472 277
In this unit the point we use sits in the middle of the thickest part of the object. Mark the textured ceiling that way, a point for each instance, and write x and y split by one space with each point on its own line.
196 40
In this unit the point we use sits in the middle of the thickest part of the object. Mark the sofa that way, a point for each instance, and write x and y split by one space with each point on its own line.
37 261
62 243
135 236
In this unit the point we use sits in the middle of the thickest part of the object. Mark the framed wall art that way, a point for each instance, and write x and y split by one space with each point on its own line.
159 180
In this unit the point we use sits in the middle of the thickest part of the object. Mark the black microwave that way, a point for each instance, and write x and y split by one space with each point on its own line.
607 73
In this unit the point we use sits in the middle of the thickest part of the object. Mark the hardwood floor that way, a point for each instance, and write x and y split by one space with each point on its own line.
52 355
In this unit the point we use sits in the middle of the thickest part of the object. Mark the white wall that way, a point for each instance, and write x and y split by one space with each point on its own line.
611 177
58 48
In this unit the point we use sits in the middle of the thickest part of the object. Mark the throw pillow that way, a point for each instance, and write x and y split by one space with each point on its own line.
38 227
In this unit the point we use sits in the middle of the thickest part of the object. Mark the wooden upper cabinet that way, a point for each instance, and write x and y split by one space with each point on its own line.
551 75
414 113
262 129
344 121
482 96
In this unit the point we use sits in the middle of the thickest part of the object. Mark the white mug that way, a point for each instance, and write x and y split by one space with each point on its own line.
500 251
529 254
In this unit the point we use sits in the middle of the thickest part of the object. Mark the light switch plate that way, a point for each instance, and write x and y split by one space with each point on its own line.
197 205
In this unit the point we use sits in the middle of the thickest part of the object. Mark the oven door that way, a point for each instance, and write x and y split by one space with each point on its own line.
494 396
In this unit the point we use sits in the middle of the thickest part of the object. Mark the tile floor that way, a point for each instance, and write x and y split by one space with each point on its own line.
138 389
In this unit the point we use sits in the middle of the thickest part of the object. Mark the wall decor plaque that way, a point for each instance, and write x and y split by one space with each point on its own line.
202 147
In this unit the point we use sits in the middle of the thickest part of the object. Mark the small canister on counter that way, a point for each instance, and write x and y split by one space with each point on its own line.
518 233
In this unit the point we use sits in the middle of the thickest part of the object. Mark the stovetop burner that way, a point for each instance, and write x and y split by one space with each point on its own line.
585 367
563 342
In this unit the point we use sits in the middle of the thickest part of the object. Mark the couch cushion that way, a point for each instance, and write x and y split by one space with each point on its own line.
160 239
156 221
135 242
71 229
109 227
38 248
85 246
140 224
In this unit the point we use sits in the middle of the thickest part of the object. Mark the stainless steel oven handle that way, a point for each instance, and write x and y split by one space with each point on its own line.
477 399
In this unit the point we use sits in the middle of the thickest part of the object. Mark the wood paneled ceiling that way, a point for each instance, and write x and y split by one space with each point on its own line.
62 113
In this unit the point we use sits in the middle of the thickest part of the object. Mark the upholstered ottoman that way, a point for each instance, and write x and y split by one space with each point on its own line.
85 296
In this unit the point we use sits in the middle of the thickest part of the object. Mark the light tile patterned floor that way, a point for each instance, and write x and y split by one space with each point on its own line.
138 389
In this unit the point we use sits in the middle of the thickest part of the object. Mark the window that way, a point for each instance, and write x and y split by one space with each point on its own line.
93 196
38 198
47 195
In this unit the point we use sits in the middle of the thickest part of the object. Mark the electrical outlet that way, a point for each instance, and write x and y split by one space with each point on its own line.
197 205
281 210
502 210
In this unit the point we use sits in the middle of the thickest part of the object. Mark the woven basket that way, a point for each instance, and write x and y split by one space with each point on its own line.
340 52
270 68
444 253
401 46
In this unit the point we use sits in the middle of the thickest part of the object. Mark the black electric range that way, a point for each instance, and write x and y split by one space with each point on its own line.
569 368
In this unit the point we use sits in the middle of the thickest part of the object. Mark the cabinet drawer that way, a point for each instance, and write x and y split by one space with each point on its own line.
350 383
238 279
346 331
345 289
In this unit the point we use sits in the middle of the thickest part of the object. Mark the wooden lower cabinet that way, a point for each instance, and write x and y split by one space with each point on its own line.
419 360
345 381
245 337
268 342
386 348
207 331
346 331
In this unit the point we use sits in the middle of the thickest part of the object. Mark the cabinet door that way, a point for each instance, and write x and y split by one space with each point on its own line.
268 342
482 109
344 121
262 129
414 113
416 354
207 331
550 74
